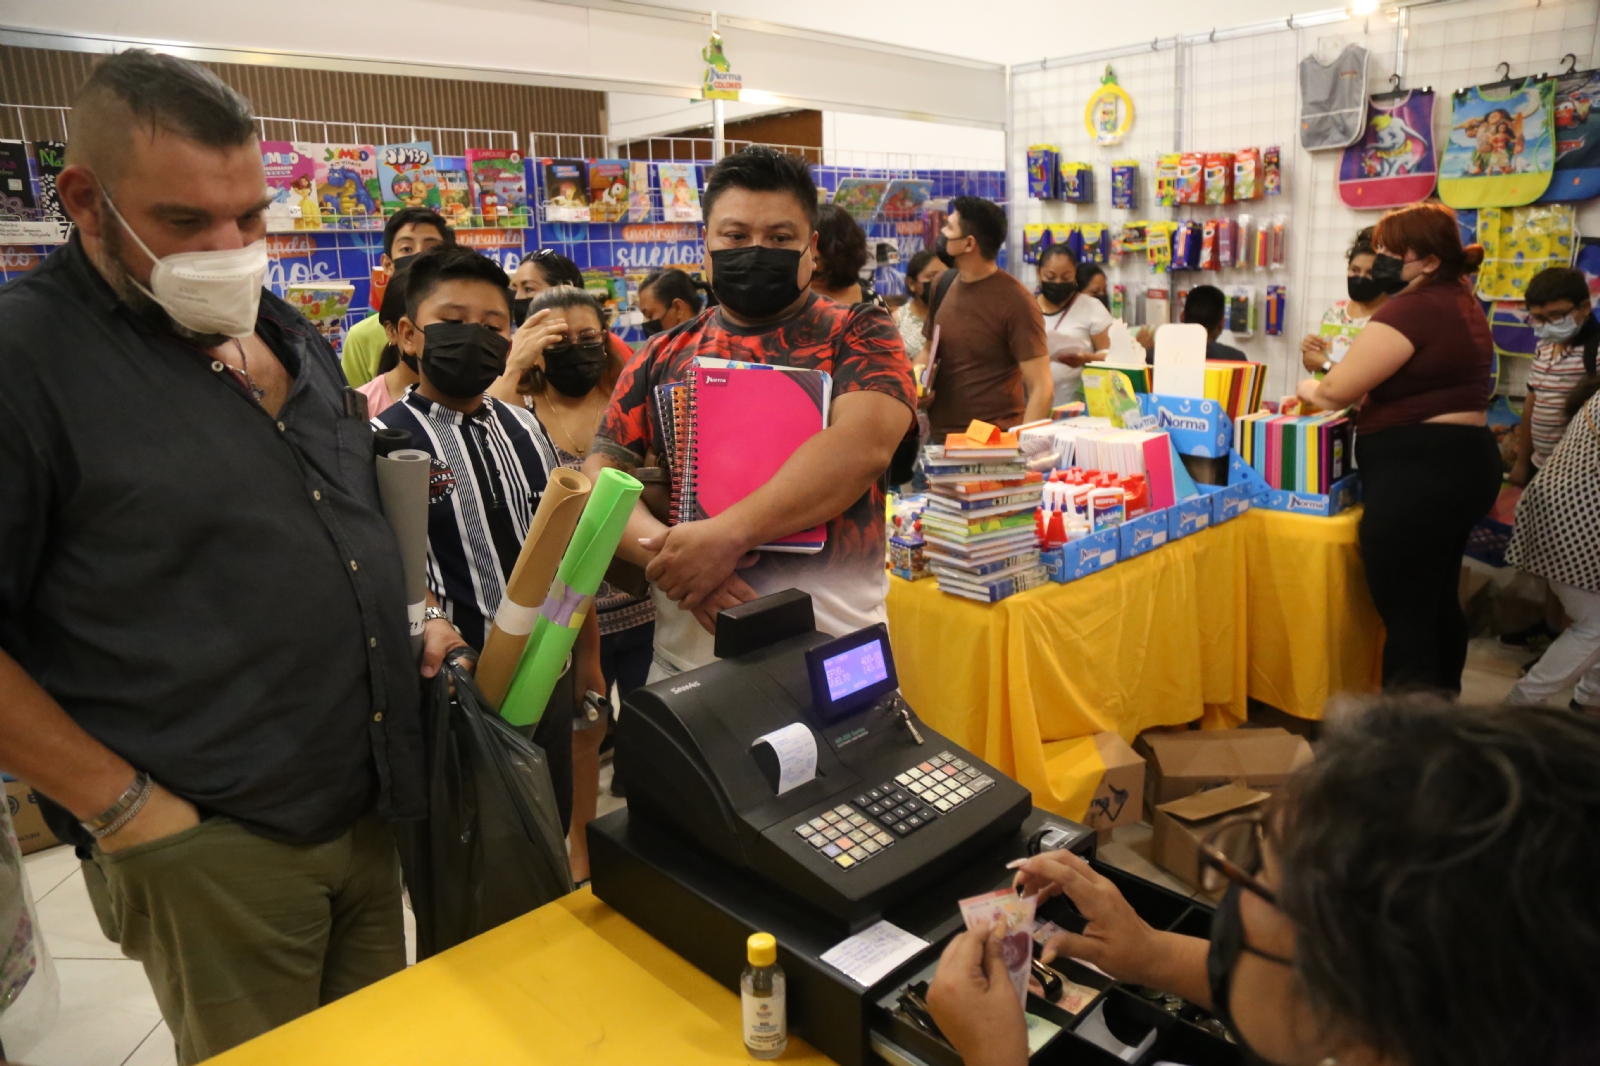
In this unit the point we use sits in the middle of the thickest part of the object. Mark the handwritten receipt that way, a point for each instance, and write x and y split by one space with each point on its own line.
796 749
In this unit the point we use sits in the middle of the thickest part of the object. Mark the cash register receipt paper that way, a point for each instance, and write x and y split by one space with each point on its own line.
796 749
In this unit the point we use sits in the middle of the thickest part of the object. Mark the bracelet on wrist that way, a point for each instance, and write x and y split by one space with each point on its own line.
124 810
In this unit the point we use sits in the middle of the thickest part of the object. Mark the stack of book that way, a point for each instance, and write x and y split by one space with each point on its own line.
1300 454
979 526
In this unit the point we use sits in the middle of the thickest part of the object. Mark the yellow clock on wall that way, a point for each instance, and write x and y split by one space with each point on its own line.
1109 115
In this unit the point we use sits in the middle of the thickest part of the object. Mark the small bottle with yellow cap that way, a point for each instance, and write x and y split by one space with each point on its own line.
762 992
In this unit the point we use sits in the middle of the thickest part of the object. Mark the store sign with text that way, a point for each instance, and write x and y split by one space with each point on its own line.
650 256
486 239
661 232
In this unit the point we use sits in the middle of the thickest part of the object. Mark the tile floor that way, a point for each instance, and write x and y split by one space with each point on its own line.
109 1017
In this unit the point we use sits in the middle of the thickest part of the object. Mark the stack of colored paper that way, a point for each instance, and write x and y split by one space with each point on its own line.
1236 386
1298 454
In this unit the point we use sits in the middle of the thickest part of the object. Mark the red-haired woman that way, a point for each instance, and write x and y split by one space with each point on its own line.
1430 468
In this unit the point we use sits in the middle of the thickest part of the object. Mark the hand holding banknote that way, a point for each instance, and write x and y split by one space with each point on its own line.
974 1002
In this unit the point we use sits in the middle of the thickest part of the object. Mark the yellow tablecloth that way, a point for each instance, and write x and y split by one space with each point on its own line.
1156 640
572 983
1272 606
1314 631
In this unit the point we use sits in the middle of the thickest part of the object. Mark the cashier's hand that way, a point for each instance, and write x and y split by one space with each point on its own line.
438 637
1116 939
975 1004
694 559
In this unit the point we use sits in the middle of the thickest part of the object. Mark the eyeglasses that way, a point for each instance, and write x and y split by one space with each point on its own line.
1231 853
542 254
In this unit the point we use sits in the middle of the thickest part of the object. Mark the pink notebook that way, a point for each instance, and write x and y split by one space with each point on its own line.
748 420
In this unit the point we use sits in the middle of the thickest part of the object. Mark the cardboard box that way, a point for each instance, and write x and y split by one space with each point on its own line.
1178 827
1341 495
1084 556
1188 516
1227 503
1181 764
1119 797
1196 426
27 819
1142 534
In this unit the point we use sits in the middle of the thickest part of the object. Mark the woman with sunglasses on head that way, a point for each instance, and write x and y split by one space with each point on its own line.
1424 896
1430 466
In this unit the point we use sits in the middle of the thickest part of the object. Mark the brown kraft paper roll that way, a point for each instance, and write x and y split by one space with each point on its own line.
559 510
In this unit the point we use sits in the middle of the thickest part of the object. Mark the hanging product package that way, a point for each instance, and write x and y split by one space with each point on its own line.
1333 100
491 848
1518 242
1577 129
1501 151
1509 327
1392 164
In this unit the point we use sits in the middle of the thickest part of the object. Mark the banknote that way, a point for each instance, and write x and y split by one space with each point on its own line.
1013 915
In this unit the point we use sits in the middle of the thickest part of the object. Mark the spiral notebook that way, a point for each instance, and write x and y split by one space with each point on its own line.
740 423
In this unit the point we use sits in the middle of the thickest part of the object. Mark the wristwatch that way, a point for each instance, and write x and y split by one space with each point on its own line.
1327 365
433 612
123 811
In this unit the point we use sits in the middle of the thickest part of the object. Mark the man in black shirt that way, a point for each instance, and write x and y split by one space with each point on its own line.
204 654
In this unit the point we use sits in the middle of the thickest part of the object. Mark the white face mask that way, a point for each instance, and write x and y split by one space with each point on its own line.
207 292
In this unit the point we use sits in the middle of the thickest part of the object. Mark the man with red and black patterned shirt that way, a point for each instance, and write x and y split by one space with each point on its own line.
760 209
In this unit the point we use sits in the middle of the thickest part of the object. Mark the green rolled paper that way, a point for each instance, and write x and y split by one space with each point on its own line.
571 594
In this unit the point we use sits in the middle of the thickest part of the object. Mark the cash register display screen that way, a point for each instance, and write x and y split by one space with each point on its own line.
851 672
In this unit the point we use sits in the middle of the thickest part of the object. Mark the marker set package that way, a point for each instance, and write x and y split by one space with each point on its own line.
1042 162
1167 179
1076 183
1276 296
1241 311
1219 178
1125 184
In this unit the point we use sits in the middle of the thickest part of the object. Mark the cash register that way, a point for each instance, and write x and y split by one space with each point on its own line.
789 788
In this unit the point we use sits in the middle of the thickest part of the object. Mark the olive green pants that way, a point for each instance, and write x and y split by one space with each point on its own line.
239 934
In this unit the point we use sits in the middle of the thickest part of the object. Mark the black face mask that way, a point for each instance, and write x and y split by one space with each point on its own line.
1227 944
461 359
755 282
519 310
1057 292
1386 270
651 326
1362 290
400 261
575 369
941 249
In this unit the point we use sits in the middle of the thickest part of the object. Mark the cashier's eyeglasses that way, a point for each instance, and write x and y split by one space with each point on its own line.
1231 854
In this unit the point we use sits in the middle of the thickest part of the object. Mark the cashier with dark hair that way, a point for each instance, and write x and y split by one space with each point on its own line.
1424 896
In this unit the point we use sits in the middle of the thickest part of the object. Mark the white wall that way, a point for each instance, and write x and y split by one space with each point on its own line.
871 140
633 115
626 48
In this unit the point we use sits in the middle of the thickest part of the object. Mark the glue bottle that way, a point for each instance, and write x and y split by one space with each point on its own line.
762 992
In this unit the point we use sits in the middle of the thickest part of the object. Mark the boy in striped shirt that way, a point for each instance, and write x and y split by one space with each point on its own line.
1559 311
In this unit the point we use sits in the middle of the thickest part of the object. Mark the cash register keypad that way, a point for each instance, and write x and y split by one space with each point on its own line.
854 832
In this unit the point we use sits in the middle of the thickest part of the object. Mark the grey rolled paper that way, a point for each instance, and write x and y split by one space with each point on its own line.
403 487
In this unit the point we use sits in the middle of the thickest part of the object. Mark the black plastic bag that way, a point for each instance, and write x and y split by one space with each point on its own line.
491 848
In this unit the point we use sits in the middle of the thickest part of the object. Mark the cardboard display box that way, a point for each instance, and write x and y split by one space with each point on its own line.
1119 797
26 818
1189 516
1142 534
1181 764
1178 827
1084 556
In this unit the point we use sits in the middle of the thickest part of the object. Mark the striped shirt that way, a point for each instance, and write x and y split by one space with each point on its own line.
489 471
1556 369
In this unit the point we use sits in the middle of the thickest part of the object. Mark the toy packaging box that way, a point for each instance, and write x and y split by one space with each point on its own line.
346 179
566 191
406 176
292 181
608 190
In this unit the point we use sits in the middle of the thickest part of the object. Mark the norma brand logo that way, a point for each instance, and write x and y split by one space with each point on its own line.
1302 503
1167 420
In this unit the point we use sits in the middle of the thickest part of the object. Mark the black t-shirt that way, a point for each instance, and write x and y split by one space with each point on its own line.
210 592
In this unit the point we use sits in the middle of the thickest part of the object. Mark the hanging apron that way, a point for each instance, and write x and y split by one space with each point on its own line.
1518 242
1392 164
1333 100
1577 173
1508 326
1500 152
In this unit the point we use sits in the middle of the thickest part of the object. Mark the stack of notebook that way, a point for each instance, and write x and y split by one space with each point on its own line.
978 528
1131 451
1299 454
1236 386
730 426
